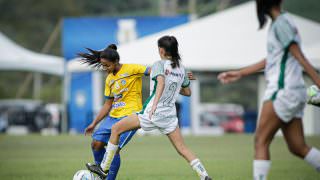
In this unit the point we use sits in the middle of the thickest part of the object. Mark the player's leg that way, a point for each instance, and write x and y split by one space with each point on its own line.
98 151
115 165
294 136
178 142
268 125
125 124
100 138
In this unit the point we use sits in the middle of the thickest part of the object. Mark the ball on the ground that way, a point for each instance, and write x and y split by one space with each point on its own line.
83 175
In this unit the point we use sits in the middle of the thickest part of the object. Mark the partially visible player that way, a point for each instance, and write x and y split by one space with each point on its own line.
285 96
123 97
168 78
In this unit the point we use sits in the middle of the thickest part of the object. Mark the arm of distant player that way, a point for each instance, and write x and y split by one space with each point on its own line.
148 71
159 91
232 76
102 114
185 91
297 53
190 76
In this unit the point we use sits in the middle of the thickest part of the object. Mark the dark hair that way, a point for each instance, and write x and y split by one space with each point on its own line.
263 9
93 58
170 45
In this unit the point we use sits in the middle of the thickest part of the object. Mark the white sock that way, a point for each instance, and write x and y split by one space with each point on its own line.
111 150
313 158
261 169
199 168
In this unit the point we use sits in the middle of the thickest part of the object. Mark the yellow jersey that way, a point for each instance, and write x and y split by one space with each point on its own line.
125 88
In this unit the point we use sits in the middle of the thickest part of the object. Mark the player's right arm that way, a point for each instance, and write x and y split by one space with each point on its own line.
297 53
232 76
101 115
105 109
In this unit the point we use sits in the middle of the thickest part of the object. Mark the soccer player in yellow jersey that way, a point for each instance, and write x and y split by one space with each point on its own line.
123 97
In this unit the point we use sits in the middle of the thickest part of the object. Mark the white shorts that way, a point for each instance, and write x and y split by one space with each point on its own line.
164 125
289 104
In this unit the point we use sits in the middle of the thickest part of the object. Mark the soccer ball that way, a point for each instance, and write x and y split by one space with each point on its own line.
83 175
312 90
313 93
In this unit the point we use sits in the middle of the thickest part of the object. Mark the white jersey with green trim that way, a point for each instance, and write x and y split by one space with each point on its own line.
175 78
282 70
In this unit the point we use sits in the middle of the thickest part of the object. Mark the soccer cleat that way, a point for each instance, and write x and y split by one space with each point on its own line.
207 178
97 170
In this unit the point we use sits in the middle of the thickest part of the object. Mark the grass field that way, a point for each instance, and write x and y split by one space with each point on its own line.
226 158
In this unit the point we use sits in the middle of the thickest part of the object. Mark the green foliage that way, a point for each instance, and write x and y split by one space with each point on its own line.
307 8
11 82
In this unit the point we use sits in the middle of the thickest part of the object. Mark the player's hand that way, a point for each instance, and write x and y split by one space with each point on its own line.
229 77
190 76
153 110
89 129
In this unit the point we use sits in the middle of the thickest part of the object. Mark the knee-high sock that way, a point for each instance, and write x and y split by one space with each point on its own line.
98 155
114 168
199 168
313 158
261 169
108 156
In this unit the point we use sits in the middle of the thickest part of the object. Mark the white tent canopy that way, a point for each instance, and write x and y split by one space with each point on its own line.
15 57
75 65
225 40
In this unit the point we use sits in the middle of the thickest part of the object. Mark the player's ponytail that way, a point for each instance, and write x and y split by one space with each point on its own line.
93 58
263 10
170 45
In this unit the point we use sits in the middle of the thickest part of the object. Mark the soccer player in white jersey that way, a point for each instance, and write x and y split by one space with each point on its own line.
168 78
285 96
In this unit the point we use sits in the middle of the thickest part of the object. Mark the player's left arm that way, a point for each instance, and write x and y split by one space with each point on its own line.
295 50
159 90
191 76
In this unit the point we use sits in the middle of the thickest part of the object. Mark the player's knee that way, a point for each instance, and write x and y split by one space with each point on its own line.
115 130
97 145
298 150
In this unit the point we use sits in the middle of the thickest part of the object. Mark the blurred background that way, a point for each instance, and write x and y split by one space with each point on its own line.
47 97
43 87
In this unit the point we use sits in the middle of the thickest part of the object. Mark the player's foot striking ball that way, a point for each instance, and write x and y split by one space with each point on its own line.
97 170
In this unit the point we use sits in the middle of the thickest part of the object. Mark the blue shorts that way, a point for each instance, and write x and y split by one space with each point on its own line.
103 132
